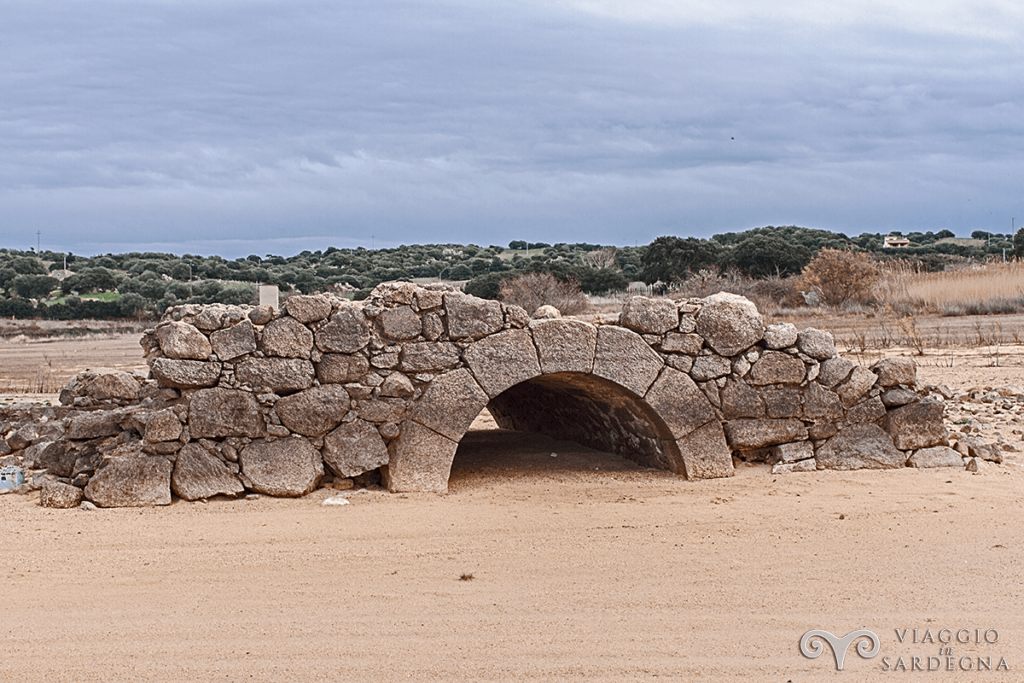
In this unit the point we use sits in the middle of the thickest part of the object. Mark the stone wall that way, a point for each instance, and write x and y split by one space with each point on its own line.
249 399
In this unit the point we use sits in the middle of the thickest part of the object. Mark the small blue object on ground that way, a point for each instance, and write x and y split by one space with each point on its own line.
11 477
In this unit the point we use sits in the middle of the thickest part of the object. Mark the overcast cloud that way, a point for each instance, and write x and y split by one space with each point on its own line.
272 127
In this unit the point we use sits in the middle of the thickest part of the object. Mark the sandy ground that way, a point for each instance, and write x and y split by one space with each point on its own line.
584 567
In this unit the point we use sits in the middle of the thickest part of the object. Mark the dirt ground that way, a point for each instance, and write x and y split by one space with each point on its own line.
578 565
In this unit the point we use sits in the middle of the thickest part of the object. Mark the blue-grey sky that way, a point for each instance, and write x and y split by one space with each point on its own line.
237 127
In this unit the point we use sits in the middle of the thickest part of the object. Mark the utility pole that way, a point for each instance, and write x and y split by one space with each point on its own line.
38 235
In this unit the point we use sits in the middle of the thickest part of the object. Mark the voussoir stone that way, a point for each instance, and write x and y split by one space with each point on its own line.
917 425
780 335
286 337
649 316
185 374
705 453
748 434
275 374
131 481
428 357
198 474
354 448
288 467
337 368
564 345
315 411
347 332
935 456
893 371
400 323
729 323
623 357
219 412
420 460
235 341
450 404
57 494
679 402
308 308
860 446
180 340
470 317
818 344
775 367
503 360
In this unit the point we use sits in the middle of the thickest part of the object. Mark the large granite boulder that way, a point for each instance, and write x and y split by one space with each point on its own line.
308 308
817 344
288 467
131 481
234 342
917 425
354 448
198 474
347 332
860 446
893 371
649 316
275 374
56 494
219 412
315 411
729 323
470 317
185 374
180 340
286 337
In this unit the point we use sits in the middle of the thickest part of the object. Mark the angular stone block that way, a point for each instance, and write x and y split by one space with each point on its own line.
917 425
308 308
893 371
185 374
420 460
740 400
649 316
623 357
705 453
775 367
746 434
163 425
57 494
565 345
503 360
315 411
286 337
336 368
180 340
131 481
450 404
234 342
860 446
288 467
354 448
428 357
936 456
198 474
859 383
216 413
399 323
347 332
710 367
780 335
680 403
275 374
818 344
470 317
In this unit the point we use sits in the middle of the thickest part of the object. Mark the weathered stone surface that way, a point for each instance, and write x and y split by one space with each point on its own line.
400 323
57 457
710 367
182 341
821 404
893 371
354 448
428 299
783 401
565 345
973 447
917 425
131 481
94 425
315 411
775 367
689 344
450 404
818 344
185 374
104 384
287 467
860 446
420 460
868 410
286 337
936 456
275 374
433 326
623 357
198 474
649 316
428 357
834 371
472 318
56 494
218 412
896 397
747 434
261 315
516 317
308 308
336 368
975 465
729 323
791 467
546 312
705 453
234 342
503 360
821 430
679 402
382 410
347 332
793 452
162 425
397 385
859 383
780 335
740 400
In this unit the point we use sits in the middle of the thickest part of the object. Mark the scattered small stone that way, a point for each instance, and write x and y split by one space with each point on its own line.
336 500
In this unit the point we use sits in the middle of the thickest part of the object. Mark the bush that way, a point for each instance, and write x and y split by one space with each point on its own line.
841 276
533 290
485 286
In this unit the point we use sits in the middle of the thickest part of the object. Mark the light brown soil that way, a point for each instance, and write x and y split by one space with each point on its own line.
584 567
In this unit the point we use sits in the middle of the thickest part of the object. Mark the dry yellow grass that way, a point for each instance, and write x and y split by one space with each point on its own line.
992 288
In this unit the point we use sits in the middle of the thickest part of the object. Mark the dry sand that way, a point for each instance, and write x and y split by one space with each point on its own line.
584 567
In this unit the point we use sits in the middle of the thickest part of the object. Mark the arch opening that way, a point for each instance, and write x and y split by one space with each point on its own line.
591 411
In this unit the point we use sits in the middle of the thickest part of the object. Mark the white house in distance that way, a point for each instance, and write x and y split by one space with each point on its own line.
893 242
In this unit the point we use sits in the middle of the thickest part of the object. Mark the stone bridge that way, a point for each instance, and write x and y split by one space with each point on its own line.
246 398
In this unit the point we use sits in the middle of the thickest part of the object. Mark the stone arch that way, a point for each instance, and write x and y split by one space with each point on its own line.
618 385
